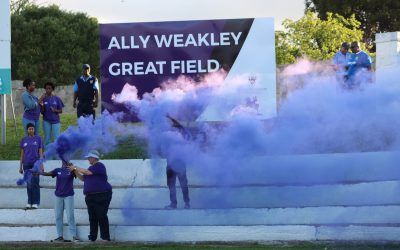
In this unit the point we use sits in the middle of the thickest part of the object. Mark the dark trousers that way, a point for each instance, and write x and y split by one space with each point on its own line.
85 109
33 190
183 182
33 187
97 205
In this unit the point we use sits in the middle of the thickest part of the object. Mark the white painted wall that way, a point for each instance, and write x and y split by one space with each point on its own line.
387 55
360 202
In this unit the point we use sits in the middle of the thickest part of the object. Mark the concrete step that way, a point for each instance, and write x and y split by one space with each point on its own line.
239 233
361 194
263 170
368 215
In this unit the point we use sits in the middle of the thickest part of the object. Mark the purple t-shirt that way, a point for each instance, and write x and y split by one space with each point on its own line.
49 115
97 182
64 182
31 146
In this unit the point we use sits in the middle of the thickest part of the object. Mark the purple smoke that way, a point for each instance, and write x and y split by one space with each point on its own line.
75 141
316 116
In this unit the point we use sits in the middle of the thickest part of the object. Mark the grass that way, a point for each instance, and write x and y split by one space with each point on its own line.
128 147
244 246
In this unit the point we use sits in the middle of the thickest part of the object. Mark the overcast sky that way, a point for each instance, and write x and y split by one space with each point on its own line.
120 11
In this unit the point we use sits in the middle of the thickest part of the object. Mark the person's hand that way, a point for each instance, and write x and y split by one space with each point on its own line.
21 170
74 105
71 167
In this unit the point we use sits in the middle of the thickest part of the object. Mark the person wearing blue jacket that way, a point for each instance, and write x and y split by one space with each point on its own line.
359 66
31 106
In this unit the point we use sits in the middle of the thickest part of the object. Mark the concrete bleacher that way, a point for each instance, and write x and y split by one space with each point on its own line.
351 196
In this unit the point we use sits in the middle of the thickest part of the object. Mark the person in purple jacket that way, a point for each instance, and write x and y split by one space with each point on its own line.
31 151
64 200
98 194
31 106
51 110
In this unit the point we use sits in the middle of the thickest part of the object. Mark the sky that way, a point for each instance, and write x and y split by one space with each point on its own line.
121 11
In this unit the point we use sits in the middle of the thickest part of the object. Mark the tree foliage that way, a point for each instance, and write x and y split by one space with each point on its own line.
49 44
315 38
375 16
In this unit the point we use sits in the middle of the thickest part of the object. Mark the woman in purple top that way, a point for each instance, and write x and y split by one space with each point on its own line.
64 200
31 151
51 110
98 193
31 106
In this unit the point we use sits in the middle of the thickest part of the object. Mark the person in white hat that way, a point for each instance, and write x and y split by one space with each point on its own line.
98 194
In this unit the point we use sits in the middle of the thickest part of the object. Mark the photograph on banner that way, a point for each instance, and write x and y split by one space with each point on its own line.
151 55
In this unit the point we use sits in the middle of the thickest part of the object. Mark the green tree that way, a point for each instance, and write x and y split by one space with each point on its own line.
51 44
315 38
375 16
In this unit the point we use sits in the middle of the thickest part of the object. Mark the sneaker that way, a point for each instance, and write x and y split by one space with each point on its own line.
35 206
59 239
28 206
170 206
104 240
75 239
187 206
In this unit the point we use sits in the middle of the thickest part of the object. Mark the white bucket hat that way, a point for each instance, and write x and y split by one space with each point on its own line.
93 153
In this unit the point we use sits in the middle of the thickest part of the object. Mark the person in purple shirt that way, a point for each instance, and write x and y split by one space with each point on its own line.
31 151
98 194
64 200
51 109
31 106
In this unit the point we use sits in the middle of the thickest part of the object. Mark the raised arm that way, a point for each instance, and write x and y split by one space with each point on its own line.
79 172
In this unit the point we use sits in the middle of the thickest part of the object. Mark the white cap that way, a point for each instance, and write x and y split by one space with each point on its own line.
93 153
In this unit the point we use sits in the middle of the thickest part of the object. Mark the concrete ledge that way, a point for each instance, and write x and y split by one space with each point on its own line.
212 233
370 233
387 37
169 233
266 170
379 215
362 194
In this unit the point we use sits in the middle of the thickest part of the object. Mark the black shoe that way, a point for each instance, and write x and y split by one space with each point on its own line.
59 239
91 238
170 206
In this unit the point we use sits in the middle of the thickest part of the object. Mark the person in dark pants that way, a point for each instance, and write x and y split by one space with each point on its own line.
98 194
86 91
177 168
31 151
